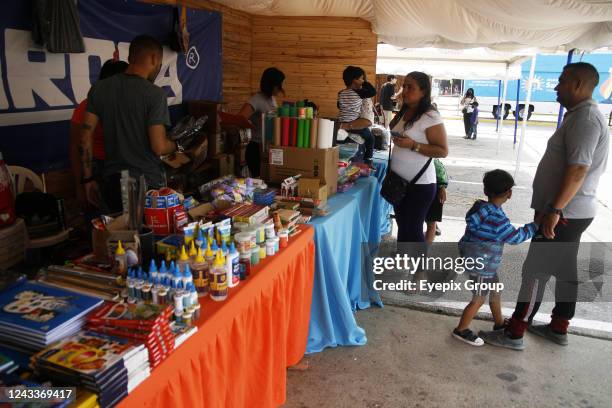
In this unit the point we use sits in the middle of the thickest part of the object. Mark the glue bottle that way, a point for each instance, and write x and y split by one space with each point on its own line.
199 241
120 260
199 269
209 255
187 278
163 271
232 266
153 273
183 260
218 279
192 251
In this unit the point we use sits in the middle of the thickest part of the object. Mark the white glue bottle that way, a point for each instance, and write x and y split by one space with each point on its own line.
232 266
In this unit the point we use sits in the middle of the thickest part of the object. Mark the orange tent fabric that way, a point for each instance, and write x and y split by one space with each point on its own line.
239 356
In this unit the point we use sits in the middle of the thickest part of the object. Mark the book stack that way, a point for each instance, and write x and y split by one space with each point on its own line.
142 322
7 365
109 366
247 213
33 315
290 219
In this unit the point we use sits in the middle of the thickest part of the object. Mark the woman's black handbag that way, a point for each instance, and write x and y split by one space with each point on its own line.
394 188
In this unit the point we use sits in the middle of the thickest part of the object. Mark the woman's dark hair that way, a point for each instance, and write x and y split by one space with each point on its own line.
367 90
424 82
351 73
112 67
270 79
469 93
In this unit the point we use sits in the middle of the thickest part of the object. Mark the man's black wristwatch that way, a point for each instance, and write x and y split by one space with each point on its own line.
552 210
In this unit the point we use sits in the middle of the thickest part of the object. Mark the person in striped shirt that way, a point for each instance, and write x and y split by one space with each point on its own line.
487 230
350 104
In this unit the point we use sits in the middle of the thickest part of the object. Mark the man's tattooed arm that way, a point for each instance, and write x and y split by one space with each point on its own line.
85 148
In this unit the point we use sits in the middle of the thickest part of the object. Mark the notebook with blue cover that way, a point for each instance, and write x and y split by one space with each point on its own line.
41 310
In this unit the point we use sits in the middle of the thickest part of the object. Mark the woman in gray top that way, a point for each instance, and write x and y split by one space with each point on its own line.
270 85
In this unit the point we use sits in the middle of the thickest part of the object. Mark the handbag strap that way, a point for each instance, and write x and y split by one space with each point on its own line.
419 174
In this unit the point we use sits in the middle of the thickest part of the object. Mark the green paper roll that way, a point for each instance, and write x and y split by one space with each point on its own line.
300 141
299 104
293 112
307 124
284 111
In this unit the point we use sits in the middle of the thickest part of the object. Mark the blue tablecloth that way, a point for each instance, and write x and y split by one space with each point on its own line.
345 241
380 162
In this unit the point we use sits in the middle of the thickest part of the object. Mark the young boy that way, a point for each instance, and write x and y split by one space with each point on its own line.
486 232
473 122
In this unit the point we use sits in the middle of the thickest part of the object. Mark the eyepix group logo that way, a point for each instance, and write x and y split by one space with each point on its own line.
192 59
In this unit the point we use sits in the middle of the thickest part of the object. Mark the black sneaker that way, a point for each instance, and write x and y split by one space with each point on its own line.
505 324
438 231
468 336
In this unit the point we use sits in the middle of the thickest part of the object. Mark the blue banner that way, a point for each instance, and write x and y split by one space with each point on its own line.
546 76
39 89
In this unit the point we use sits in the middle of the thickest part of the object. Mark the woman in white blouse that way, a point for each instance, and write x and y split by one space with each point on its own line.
419 135
467 107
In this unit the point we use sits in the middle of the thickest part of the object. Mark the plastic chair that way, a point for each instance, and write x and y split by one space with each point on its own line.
21 176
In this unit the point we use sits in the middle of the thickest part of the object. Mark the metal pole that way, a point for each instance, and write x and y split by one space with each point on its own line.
516 110
570 54
503 104
499 110
525 115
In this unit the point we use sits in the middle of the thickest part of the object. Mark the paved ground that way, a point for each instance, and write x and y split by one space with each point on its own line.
411 360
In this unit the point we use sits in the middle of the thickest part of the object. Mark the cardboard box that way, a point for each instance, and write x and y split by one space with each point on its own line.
161 220
210 109
216 143
224 164
312 188
321 164
104 242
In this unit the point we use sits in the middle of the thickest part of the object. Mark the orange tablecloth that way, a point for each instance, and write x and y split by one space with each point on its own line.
239 356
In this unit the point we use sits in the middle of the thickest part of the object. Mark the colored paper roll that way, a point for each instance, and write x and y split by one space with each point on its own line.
285 111
300 137
306 142
302 113
294 125
293 112
277 131
286 125
313 133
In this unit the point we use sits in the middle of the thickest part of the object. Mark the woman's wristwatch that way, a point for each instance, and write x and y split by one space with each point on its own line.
552 210
416 147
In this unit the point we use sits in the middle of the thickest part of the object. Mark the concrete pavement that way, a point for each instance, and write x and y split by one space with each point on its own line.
411 360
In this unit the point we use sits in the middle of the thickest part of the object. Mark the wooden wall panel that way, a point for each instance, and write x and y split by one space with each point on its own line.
312 52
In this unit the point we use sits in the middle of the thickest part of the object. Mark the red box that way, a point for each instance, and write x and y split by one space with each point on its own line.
161 220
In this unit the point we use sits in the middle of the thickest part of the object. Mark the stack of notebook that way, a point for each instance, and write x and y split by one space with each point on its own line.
33 315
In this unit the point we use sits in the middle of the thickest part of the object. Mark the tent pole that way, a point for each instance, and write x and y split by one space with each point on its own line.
525 115
570 54
498 106
516 109
503 104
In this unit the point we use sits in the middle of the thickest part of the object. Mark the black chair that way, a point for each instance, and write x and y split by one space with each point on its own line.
522 111
507 108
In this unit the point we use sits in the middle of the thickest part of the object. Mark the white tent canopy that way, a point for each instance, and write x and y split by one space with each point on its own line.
548 26
474 63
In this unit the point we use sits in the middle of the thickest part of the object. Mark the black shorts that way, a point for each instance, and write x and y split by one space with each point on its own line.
435 211
481 283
